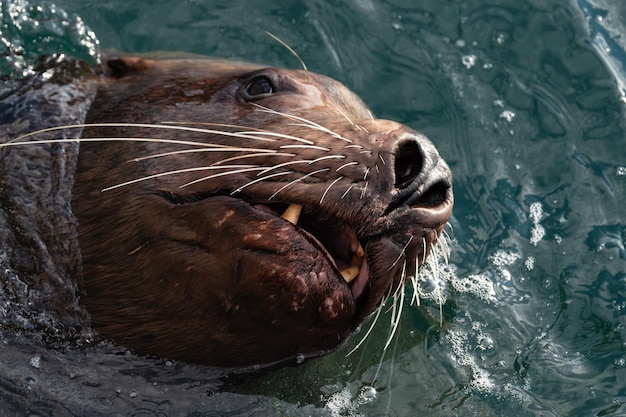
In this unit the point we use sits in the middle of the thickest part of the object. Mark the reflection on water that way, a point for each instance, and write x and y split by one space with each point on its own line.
524 99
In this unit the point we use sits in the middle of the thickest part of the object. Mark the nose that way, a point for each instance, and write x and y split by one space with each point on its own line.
422 179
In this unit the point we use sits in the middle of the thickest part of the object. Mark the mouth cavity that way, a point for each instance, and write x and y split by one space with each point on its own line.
341 243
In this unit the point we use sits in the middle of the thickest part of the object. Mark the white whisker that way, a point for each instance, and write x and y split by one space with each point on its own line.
364 190
396 315
338 110
253 155
220 174
379 309
402 253
277 39
179 171
347 191
307 122
367 172
346 165
123 139
327 189
319 148
298 180
284 164
381 159
322 129
259 152
277 174
303 161
322 158
248 135
227 125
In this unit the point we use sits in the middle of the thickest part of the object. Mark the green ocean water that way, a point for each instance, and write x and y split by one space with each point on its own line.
524 99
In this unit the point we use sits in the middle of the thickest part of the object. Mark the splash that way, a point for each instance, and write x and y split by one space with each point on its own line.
30 32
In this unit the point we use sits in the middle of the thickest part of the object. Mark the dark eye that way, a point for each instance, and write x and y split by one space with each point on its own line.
259 87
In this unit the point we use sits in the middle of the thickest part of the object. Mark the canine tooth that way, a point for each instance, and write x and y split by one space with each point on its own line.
357 249
356 261
292 213
350 273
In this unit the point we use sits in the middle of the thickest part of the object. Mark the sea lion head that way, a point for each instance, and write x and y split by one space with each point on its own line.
185 169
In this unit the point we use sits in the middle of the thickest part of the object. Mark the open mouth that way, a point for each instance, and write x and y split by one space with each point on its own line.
338 242
342 247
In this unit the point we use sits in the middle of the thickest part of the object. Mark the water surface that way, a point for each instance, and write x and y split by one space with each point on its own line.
524 99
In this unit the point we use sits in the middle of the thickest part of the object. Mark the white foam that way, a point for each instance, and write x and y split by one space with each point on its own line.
479 285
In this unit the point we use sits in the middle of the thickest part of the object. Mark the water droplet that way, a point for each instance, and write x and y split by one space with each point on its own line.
468 61
530 263
35 362
369 393
486 343
507 115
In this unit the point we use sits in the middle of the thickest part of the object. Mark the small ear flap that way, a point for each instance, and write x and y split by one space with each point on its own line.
121 67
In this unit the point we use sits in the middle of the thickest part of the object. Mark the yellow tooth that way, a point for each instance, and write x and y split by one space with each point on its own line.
360 252
357 258
292 213
350 273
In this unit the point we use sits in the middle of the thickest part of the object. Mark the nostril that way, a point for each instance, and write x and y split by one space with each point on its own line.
408 163
435 195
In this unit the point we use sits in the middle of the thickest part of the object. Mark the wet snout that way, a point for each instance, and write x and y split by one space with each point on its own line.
422 179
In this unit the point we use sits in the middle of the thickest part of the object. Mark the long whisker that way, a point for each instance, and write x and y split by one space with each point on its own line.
298 180
307 122
395 320
179 171
346 165
142 125
228 125
379 309
255 134
294 53
347 191
253 155
251 130
303 161
328 188
322 129
277 174
318 148
402 253
124 139
220 174
259 152
364 190
338 110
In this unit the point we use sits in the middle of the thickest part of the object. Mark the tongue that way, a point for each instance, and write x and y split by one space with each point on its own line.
359 283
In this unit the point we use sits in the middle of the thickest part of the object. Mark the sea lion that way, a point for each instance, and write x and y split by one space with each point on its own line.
235 215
